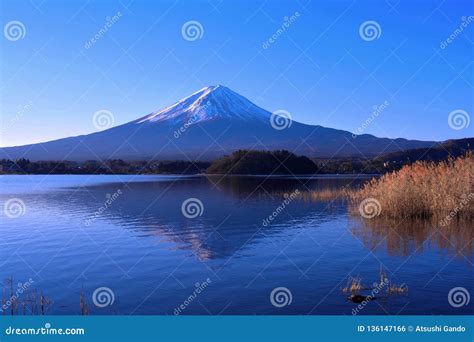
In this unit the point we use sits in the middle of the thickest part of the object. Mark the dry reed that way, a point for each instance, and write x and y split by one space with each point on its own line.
423 189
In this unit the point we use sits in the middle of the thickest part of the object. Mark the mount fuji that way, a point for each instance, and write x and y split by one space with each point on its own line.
212 122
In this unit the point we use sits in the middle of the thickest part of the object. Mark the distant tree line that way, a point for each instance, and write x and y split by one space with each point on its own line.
394 161
115 166
248 162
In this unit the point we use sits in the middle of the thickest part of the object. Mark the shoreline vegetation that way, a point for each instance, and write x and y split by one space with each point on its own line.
433 185
247 162
108 167
420 190
262 163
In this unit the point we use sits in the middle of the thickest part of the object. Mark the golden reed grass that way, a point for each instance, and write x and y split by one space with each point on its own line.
324 194
423 189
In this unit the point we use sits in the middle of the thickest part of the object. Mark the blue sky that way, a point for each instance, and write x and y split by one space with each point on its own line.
319 69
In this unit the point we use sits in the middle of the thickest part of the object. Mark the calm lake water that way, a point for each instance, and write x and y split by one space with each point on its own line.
76 234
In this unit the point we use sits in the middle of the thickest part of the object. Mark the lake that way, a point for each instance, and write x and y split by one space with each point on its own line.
209 245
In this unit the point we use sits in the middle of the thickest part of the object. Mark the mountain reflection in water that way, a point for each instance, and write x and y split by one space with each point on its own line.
151 255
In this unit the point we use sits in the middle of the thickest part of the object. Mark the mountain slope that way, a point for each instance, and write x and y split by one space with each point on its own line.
438 152
212 122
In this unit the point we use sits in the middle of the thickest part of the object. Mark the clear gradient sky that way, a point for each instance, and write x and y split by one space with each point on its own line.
319 69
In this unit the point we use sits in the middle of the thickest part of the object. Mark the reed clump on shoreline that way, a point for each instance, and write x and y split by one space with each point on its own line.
423 189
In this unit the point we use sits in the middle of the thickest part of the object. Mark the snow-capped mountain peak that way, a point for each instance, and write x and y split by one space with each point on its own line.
206 104
206 125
